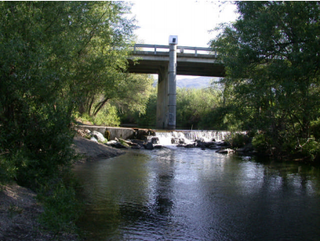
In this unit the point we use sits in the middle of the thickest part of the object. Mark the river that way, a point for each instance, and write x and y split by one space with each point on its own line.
192 194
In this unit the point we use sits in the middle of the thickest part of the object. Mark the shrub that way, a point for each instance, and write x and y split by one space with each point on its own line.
239 140
315 128
261 143
311 149
61 207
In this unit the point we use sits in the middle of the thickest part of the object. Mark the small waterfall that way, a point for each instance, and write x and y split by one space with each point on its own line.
189 137
207 135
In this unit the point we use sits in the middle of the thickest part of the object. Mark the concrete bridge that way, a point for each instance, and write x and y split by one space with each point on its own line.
167 61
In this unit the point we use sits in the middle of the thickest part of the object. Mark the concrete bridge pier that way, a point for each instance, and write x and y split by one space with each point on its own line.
162 98
172 93
166 100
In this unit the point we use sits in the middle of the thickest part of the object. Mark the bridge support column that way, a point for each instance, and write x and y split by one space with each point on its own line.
172 86
166 100
162 99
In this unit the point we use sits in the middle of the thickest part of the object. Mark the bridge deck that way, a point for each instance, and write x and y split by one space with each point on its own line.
201 64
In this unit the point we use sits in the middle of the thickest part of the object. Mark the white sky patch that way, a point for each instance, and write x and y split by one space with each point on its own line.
190 20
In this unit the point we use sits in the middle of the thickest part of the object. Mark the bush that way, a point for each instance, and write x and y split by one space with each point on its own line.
261 143
311 149
108 116
61 207
315 128
239 140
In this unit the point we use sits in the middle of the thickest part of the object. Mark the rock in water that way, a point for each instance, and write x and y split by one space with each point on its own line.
98 136
148 146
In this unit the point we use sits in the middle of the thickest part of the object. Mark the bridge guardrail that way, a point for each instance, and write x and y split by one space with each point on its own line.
182 49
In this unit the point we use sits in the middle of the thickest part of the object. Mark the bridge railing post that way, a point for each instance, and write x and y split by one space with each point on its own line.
183 49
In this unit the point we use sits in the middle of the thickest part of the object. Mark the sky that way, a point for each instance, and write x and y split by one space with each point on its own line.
190 20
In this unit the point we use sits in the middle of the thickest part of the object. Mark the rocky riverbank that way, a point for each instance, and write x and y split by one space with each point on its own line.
90 150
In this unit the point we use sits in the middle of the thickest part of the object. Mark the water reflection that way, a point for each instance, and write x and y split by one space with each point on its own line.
183 194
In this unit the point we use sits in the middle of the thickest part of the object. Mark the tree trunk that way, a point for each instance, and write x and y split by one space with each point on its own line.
99 106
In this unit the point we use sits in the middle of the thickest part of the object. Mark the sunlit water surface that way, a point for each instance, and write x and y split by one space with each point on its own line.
193 194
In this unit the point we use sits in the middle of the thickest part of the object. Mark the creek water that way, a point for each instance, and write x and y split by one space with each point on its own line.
178 193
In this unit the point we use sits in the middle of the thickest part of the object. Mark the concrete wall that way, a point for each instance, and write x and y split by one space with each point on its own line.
119 132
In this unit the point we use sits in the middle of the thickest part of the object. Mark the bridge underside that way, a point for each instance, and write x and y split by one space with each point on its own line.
186 64
200 66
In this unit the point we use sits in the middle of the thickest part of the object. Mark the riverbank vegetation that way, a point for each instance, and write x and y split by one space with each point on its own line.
57 59
271 55
61 60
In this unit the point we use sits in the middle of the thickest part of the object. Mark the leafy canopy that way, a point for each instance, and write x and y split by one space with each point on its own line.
271 55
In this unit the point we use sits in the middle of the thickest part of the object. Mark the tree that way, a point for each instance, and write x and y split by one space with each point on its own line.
133 94
98 67
53 54
193 106
271 54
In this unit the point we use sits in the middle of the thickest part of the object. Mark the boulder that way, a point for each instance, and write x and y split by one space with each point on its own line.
98 136
148 146
143 133
176 140
118 145
155 140
190 145
222 143
111 142
157 147
182 141
225 151
93 139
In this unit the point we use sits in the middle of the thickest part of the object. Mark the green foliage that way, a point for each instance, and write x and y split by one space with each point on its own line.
55 57
310 149
195 105
107 116
61 207
239 140
272 83
7 170
315 128
132 100
261 143
148 119
140 105
196 108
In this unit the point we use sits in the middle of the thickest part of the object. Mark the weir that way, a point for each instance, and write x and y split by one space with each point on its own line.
168 64
187 136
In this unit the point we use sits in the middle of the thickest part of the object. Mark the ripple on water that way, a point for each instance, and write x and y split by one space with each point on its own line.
179 194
